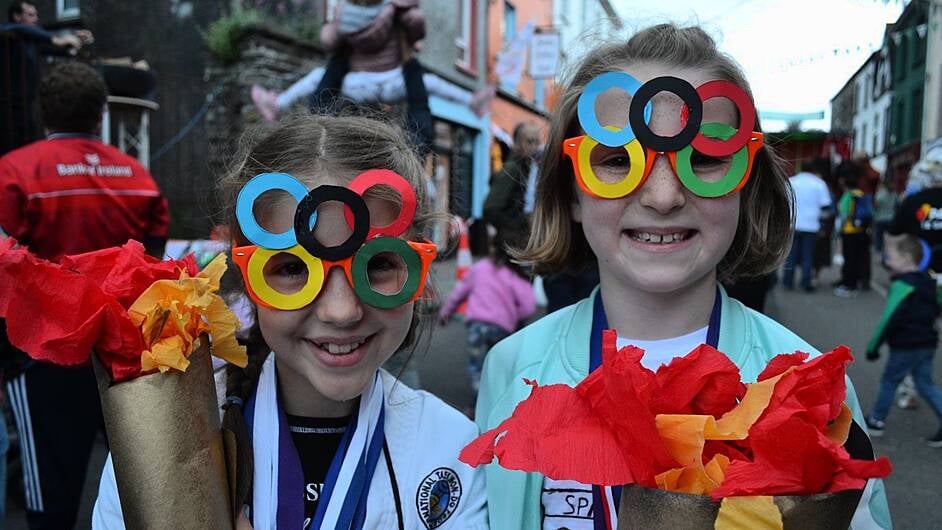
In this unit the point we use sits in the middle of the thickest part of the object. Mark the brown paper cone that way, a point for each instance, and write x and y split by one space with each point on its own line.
653 509
167 447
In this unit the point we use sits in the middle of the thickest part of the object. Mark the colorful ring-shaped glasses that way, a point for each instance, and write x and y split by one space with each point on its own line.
352 255
416 256
641 161
642 145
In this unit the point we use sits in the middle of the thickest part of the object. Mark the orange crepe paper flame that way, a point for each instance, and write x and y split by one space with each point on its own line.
172 314
624 424
64 311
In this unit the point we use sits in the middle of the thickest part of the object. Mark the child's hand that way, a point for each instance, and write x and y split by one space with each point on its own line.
243 522
873 355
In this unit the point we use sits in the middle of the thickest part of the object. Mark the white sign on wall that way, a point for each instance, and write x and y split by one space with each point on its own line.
544 55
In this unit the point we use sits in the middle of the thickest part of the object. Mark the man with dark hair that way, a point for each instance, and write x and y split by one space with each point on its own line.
20 48
65 195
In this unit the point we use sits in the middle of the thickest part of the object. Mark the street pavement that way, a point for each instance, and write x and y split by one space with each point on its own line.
822 319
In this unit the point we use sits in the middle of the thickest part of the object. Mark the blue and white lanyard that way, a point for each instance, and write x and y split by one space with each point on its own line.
605 499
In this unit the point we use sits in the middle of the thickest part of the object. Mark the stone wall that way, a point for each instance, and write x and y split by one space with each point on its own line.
269 58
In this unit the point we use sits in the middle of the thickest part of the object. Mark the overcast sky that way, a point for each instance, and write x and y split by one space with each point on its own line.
787 47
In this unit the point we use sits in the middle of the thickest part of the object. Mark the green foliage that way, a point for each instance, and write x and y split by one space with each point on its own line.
222 37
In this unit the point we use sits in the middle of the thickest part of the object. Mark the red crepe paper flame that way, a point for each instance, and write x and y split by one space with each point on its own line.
605 430
61 312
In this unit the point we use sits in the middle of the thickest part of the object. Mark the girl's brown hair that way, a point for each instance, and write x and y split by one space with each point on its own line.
763 235
307 147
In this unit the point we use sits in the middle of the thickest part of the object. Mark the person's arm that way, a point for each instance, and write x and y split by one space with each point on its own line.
12 202
413 23
524 297
458 294
329 36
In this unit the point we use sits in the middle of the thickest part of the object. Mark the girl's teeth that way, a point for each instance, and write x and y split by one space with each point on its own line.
658 238
340 349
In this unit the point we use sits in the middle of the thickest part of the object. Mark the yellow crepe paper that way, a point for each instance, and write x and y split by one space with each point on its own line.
759 512
172 314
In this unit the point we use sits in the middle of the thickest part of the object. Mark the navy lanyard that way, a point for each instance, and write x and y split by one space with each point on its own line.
600 324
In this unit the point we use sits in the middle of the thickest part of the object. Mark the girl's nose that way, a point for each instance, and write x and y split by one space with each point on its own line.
662 191
337 303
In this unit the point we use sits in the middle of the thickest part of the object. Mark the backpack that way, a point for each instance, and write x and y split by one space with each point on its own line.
863 210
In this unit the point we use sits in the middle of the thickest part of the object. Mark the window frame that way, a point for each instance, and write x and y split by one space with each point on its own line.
466 37
64 13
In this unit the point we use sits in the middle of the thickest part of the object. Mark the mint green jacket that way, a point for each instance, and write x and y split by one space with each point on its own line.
555 349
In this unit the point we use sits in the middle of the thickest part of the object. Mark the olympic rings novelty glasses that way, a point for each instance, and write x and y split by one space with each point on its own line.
287 270
710 159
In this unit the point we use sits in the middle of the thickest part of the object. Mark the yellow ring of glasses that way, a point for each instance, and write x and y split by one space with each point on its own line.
611 190
315 278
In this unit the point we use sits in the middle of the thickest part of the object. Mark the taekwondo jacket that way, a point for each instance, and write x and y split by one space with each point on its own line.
425 436
555 349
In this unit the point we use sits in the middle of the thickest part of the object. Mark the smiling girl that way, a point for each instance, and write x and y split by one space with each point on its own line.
331 217
654 166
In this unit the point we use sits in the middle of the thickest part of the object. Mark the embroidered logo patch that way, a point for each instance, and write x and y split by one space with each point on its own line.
438 497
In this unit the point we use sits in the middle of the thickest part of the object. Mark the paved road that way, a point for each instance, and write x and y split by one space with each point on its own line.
822 319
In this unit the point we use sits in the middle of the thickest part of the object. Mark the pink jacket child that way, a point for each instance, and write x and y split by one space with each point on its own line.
495 294
372 30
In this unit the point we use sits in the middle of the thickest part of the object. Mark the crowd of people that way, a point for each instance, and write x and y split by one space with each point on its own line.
623 238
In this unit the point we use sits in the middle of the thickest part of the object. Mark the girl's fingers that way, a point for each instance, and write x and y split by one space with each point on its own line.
243 522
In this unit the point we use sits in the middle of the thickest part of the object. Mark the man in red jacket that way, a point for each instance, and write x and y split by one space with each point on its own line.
69 194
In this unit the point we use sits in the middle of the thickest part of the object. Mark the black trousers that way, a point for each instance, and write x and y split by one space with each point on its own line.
58 415
856 250
419 115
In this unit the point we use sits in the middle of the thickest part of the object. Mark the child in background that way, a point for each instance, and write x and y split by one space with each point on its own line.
500 297
908 328
855 210
336 442
665 229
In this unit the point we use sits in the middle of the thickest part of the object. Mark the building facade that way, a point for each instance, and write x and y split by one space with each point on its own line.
872 99
907 43
932 105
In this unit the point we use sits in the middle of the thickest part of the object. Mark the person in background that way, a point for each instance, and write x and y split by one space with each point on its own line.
506 205
920 213
500 297
856 214
69 194
811 198
23 22
884 208
908 327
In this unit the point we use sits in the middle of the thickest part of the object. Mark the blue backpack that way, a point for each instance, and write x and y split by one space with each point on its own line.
863 210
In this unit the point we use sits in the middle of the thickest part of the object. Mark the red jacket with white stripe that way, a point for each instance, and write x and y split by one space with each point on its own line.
75 194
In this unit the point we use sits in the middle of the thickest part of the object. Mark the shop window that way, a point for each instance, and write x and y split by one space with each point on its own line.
67 9
466 41
510 23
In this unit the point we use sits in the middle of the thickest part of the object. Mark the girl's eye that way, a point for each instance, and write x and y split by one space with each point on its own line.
706 162
383 262
285 266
